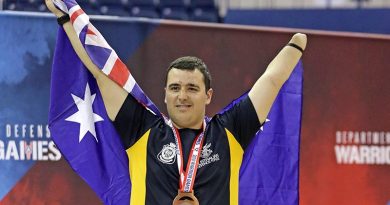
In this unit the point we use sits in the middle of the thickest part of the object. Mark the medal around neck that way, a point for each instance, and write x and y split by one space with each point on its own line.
185 194
185 198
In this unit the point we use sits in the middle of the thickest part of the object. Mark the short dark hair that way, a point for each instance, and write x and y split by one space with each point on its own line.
191 63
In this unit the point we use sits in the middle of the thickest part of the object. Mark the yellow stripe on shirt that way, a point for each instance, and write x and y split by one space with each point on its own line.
236 154
137 162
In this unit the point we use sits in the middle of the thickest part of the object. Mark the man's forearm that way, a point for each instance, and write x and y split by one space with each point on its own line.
282 65
266 88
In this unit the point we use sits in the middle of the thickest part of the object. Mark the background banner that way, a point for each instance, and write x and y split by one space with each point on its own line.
345 139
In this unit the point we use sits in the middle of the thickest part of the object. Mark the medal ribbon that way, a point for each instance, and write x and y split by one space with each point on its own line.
187 178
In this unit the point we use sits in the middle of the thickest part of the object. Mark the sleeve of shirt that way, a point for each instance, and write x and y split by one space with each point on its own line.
242 121
132 121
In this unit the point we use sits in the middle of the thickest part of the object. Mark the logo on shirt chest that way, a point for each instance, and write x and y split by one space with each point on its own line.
168 154
206 151
206 156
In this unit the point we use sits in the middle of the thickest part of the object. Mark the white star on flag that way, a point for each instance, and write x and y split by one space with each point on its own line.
85 116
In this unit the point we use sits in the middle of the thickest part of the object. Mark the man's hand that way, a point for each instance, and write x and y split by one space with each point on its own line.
299 39
50 5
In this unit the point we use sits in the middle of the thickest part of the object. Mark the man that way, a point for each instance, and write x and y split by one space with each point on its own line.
188 158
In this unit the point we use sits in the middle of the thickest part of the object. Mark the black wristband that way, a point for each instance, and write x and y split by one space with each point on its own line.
63 19
295 46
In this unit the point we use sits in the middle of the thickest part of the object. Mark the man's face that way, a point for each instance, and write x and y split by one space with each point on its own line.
186 98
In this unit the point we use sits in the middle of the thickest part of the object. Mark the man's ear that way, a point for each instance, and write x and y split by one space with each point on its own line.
209 95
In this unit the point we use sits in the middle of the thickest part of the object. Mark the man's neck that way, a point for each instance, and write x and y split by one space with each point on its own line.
197 126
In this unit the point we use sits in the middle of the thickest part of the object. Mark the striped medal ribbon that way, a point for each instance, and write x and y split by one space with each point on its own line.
187 177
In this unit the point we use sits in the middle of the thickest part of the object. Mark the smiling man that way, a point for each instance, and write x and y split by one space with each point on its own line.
187 158
187 92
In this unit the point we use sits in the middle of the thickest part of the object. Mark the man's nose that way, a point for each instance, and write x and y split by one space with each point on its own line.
182 94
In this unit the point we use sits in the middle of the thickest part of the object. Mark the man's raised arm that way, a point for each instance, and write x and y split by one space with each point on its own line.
267 87
113 95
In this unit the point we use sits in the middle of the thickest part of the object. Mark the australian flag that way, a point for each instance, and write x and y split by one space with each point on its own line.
82 130
78 120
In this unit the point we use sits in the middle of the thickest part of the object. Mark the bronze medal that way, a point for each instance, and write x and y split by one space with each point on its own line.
185 198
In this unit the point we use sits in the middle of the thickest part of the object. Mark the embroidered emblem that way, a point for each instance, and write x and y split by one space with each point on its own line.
206 156
209 160
168 154
206 151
